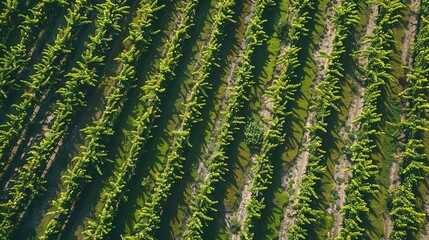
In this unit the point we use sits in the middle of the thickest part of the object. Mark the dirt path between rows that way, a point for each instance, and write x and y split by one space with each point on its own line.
266 113
246 195
407 60
410 32
292 180
212 143
342 177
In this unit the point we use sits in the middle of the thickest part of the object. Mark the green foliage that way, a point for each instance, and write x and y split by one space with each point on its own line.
279 94
148 217
9 15
376 75
325 101
93 153
253 134
100 227
29 180
15 58
66 79
234 225
282 28
203 202
47 73
407 217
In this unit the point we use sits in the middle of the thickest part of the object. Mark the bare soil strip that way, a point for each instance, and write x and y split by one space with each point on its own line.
341 177
407 60
245 195
292 180
212 142
266 112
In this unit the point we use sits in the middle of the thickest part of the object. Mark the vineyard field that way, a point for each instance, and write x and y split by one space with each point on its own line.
214 119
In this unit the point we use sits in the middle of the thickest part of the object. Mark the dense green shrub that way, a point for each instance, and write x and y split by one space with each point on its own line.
282 28
253 134
234 225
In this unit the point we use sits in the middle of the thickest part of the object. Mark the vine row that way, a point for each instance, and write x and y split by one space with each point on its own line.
148 217
16 57
376 73
142 125
203 203
278 95
47 73
326 100
407 217
30 181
